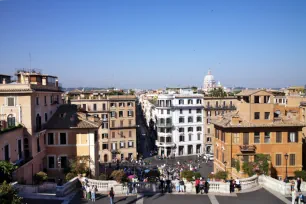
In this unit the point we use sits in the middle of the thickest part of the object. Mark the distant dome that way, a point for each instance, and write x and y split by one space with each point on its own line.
209 77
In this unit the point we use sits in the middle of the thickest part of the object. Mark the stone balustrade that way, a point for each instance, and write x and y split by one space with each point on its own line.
274 184
68 187
248 183
46 187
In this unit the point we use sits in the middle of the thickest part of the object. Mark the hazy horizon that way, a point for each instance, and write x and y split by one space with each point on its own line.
156 44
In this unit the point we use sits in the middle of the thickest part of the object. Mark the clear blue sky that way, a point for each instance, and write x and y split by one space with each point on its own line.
157 43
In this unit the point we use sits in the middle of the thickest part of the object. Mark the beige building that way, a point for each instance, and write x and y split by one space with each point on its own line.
117 135
71 133
29 101
258 127
213 107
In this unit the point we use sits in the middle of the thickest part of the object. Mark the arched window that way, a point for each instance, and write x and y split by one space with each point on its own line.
10 120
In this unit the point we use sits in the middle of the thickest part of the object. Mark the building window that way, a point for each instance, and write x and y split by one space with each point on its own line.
122 144
104 135
292 137
292 159
105 146
199 129
120 114
267 115
50 138
129 104
208 130
256 137
168 112
168 139
278 160
256 115
7 153
181 101
190 129
51 162
162 139
236 138
45 100
37 100
199 119
208 139
95 107
161 111
267 137
130 133
190 120
113 114
130 113
10 101
51 99
189 111
199 111
46 117
113 123
130 122
114 146
256 99
199 101
182 139
181 130
190 137
63 138
10 121
181 120
104 125
113 105
278 137
181 111
64 162
113 134
168 130
130 143
121 104
189 101
199 136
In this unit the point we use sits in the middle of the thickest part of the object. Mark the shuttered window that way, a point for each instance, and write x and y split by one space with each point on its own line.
278 159
292 160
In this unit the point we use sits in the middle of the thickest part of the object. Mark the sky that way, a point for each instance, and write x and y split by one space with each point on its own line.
156 43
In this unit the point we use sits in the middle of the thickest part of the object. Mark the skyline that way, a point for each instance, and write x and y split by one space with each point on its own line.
155 44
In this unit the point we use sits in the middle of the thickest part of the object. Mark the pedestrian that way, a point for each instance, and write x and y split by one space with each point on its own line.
84 189
293 196
111 195
206 187
162 183
197 185
292 185
177 185
202 182
168 182
237 182
182 186
299 181
93 193
88 192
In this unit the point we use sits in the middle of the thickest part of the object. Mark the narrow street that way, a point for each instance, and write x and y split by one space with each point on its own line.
145 141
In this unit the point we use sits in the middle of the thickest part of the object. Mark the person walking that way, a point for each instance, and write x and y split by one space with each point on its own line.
177 185
87 192
197 185
162 183
111 195
299 181
206 187
293 196
202 183
182 186
93 193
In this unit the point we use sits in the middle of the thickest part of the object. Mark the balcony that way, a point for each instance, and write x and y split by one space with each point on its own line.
164 144
159 124
219 107
247 148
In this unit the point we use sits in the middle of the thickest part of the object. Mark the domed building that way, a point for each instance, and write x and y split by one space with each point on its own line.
209 82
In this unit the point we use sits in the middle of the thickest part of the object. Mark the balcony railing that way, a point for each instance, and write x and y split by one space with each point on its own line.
247 148
159 124
219 107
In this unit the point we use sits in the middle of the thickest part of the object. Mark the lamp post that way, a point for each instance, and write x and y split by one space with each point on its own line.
59 170
286 157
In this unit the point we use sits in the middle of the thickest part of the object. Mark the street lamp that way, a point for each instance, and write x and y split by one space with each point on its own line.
59 162
286 157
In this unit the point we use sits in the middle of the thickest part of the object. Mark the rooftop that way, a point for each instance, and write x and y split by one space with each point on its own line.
225 121
250 92
68 117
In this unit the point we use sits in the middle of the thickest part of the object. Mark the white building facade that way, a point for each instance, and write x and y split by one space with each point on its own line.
180 124
209 82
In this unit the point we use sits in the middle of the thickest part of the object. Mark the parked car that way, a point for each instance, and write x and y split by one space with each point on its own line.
210 157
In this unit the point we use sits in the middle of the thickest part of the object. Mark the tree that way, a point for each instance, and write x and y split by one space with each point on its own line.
217 92
6 170
40 177
221 175
8 195
131 92
119 176
79 165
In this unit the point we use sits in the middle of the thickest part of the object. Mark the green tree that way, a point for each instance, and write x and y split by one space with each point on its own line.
40 177
217 92
119 176
221 175
6 170
8 195
79 165
131 92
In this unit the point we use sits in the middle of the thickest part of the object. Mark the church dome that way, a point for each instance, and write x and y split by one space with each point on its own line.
209 77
